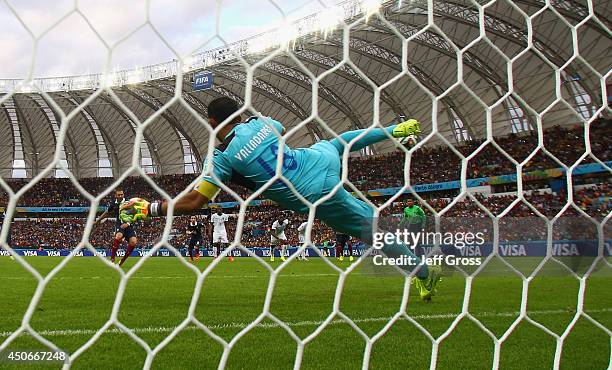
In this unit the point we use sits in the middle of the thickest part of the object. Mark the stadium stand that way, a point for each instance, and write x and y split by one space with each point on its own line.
428 165
370 172
58 233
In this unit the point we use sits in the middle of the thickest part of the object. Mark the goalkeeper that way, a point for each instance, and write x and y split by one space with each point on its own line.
414 216
248 156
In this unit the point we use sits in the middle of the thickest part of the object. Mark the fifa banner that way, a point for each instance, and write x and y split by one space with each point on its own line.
562 248
202 81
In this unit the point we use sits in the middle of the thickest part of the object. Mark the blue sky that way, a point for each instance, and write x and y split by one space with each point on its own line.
71 47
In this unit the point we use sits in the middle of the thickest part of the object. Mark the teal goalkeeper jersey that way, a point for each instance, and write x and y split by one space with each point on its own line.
249 154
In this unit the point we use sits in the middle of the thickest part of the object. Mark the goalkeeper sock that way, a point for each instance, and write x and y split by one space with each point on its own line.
114 248
371 137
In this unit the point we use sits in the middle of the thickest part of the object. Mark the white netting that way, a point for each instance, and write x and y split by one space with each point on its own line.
355 13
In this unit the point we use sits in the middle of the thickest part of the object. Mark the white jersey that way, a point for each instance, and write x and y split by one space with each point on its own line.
302 232
278 229
218 222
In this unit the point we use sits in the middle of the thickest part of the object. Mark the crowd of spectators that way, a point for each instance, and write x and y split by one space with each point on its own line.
519 223
439 164
427 165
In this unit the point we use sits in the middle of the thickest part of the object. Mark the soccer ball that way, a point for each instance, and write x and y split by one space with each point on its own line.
408 141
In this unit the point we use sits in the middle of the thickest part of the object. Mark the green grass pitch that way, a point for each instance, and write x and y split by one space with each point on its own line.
79 299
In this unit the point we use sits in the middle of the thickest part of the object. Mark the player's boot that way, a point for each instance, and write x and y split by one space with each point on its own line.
427 286
231 258
341 258
282 258
407 128
272 258
351 258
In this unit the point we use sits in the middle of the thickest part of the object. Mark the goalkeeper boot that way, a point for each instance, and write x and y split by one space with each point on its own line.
410 127
427 286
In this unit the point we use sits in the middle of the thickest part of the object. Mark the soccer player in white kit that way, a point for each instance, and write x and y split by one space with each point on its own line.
302 239
219 237
277 236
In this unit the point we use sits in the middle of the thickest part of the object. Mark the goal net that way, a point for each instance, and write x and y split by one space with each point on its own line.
511 97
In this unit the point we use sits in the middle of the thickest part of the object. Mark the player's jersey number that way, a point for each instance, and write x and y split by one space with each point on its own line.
289 162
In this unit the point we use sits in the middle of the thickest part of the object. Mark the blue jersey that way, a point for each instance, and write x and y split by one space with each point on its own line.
249 155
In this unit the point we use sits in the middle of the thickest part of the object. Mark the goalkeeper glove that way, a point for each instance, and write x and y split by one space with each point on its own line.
407 128
134 209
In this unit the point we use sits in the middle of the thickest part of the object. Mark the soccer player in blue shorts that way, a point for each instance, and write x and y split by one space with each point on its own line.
248 156
194 230
124 228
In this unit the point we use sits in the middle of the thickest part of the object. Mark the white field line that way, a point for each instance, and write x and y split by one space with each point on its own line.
264 274
271 325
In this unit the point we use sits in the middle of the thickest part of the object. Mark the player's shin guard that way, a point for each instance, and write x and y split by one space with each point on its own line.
129 250
114 249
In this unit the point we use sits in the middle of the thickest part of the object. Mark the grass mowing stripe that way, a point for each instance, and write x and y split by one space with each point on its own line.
178 277
241 325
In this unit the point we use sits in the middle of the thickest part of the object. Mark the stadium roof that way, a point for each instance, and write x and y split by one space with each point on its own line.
422 53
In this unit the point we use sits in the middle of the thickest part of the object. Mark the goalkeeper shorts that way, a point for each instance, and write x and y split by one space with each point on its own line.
342 212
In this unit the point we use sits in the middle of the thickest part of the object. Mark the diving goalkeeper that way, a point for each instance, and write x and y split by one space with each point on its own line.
248 156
